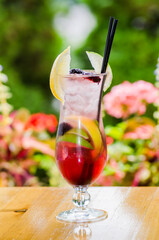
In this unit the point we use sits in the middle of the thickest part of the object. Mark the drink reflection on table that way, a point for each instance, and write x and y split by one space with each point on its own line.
82 232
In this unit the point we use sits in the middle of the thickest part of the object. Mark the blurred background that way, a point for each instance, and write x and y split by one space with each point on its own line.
34 32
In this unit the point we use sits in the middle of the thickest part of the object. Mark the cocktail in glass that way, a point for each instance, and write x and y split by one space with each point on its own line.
81 142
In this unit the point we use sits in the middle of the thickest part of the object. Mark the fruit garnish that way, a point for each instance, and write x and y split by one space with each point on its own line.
93 130
95 79
73 138
63 128
76 71
92 78
61 66
80 132
91 127
96 62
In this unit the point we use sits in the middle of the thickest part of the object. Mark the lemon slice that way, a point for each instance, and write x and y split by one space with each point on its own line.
61 66
73 138
91 127
96 62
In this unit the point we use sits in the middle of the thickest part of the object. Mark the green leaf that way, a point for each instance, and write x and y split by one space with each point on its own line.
116 150
114 132
108 170
73 138
79 132
44 161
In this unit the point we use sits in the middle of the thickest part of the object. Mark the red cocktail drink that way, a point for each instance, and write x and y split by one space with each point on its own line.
80 150
80 164
80 144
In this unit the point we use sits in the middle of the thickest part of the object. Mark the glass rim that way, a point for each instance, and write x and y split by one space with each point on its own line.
75 75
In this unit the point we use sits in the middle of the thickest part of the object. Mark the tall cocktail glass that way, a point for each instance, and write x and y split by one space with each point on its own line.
81 151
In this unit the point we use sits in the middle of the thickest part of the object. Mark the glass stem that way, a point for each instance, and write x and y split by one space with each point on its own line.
81 197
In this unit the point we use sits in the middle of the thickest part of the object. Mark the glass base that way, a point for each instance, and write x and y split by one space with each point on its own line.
82 215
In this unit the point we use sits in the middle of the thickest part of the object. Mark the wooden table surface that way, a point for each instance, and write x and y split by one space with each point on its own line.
133 213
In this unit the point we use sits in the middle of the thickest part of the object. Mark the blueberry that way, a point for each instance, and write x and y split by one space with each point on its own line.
94 79
79 71
76 70
63 128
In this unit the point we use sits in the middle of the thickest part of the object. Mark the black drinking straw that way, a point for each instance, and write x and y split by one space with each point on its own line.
105 58
109 40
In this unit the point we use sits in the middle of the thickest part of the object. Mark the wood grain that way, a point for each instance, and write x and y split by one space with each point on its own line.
133 213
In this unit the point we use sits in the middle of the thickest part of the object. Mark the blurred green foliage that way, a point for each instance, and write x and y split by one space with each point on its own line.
29 43
136 45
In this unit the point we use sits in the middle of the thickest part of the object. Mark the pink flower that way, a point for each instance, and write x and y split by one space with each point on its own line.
32 143
104 180
130 98
141 175
146 91
40 122
121 102
141 132
119 175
